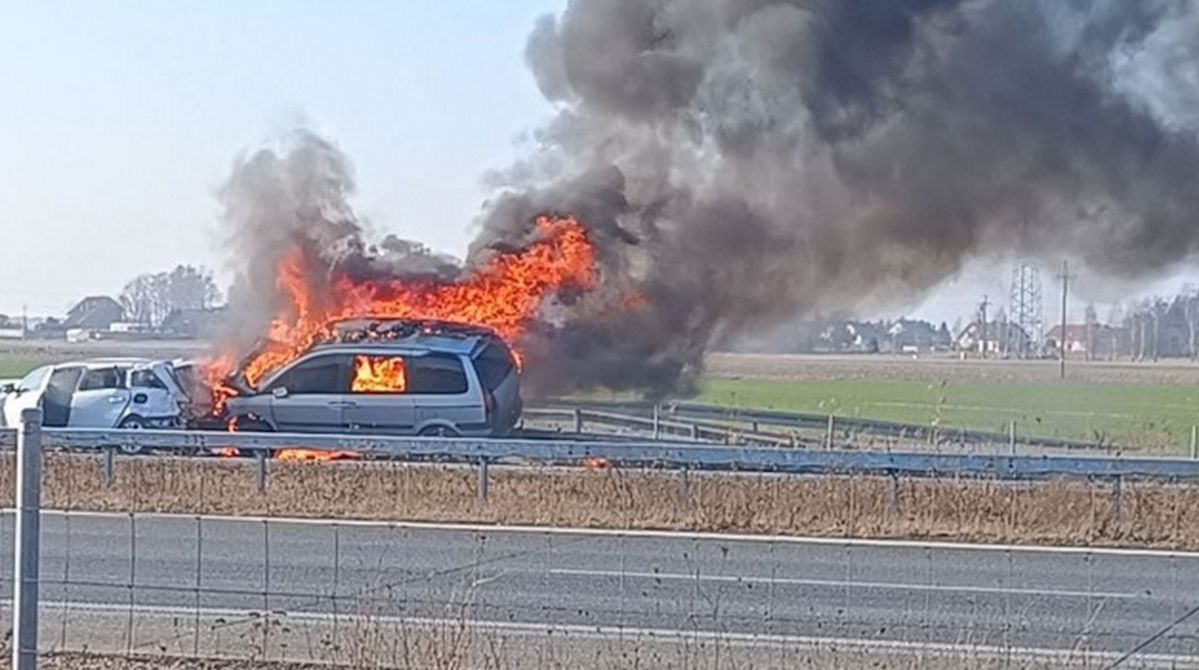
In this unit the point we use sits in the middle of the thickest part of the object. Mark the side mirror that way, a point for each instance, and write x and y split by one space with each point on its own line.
279 392
8 388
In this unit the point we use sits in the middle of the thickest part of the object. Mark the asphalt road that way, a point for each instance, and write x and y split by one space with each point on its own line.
906 593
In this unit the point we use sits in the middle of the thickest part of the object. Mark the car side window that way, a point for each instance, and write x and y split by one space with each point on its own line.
440 374
323 374
379 374
146 379
102 378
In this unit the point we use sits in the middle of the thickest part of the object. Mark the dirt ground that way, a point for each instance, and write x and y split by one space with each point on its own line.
1139 514
938 368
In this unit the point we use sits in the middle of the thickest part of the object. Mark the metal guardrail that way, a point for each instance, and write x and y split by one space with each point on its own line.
822 422
681 456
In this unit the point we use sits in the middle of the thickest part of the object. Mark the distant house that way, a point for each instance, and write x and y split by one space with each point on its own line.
860 337
911 336
96 312
194 323
995 338
1092 340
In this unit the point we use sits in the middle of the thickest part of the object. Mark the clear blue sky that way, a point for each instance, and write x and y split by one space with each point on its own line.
120 118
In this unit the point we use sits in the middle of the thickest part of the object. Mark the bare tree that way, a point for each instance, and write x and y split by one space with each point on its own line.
149 298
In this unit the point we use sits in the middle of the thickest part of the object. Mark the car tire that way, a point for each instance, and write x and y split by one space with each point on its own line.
133 422
438 431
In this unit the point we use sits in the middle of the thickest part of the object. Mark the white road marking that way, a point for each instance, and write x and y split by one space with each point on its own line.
791 581
643 533
547 630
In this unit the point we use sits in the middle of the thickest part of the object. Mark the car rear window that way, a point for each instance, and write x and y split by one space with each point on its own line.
493 364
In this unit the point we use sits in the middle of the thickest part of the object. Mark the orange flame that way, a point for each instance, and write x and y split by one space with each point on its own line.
379 374
303 455
503 294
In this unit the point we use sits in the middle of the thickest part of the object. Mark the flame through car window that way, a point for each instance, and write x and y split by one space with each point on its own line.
379 374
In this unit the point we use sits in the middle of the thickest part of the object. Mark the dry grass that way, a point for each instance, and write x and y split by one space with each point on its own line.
1061 511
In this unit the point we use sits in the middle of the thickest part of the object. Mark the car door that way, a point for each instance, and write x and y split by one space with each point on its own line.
311 396
443 394
59 393
379 402
101 399
27 395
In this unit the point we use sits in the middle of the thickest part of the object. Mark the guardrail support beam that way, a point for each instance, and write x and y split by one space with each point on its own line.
107 466
27 534
260 471
483 482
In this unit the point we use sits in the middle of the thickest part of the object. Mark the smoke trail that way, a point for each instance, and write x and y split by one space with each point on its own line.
742 161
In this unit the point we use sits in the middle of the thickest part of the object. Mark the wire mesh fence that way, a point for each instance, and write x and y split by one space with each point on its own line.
384 594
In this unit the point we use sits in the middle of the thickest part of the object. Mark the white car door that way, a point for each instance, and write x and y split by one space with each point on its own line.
27 394
101 399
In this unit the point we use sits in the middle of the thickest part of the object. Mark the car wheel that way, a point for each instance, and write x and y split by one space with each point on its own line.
131 423
438 431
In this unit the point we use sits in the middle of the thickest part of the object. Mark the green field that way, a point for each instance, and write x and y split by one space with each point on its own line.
14 367
1157 417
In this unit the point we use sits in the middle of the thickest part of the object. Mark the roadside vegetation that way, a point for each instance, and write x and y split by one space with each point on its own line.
1072 512
1139 416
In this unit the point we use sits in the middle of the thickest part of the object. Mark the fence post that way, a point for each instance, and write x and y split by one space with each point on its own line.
828 438
657 422
1117 497
482 484
260 472
1011 437
683 492
1194 442
578 417
27 536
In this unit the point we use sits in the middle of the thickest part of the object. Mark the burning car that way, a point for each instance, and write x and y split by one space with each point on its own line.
130 393
389 377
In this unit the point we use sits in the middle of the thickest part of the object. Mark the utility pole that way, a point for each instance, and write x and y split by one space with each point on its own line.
982 326
1065 276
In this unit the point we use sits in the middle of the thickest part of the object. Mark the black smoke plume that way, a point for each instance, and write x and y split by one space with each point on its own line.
740 162
775 157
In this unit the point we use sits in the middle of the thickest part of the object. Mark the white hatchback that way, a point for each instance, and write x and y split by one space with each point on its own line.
131 393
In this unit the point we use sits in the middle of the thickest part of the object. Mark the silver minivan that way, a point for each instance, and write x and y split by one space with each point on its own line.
430 382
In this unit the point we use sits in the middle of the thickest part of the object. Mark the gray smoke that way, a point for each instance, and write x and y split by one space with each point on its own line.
296 196
744 161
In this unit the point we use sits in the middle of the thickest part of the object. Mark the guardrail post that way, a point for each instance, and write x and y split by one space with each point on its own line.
109 455
893 494
27 534
657 422
695 431
1194 442
1011 437
482 482
1117 497
260 471
684 494
828 438
578 417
